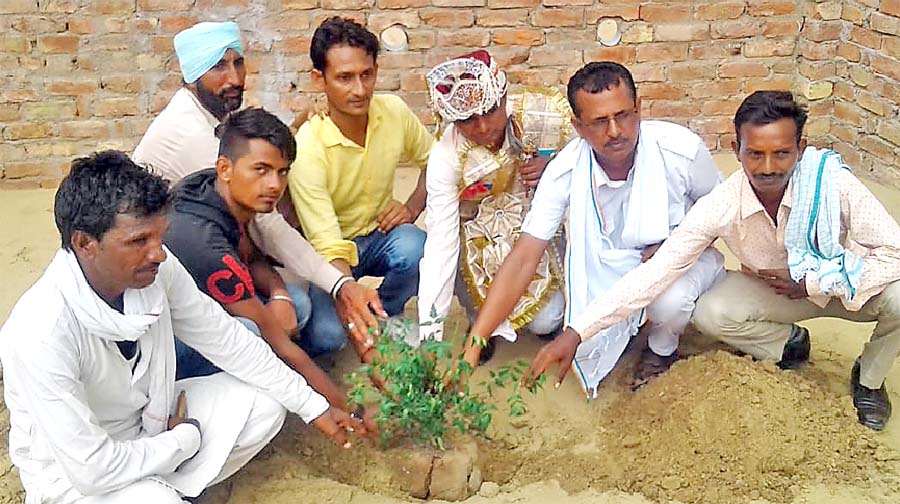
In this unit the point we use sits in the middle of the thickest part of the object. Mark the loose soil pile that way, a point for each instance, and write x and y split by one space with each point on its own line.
715 428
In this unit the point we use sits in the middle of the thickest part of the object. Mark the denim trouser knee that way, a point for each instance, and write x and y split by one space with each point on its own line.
395 257
190 363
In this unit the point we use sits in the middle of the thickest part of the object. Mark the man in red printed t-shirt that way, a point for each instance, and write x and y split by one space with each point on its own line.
208 234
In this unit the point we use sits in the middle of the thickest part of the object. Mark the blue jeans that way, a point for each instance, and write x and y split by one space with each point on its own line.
394 256
190 363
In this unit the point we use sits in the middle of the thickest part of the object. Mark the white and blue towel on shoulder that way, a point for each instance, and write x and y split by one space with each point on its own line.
812 235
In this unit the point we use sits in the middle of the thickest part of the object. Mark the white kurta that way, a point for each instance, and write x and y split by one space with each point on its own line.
606 238
181 141
76 408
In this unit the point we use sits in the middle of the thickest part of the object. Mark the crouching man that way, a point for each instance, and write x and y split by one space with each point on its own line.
88 355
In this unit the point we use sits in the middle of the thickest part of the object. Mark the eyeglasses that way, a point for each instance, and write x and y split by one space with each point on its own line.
624 117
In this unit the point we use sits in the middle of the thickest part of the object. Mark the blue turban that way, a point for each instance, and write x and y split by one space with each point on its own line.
203 45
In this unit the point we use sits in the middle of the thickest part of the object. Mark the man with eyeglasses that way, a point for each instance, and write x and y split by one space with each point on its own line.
625 184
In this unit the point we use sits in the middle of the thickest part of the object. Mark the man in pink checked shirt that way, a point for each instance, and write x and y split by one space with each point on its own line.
812 241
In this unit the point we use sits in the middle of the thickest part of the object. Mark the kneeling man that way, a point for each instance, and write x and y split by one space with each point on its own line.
88 358
813 242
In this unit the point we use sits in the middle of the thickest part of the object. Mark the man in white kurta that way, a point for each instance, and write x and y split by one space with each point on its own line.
616 214
91 387
472 191
181 141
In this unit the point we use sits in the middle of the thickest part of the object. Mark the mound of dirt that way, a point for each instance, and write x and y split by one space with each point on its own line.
715 428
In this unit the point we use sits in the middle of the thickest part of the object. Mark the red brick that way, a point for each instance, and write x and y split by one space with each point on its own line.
768 48
400 60
510 55
543 76
72 88
741 28
565 3
128 84
885 66
844 133
681 32
467 38
58 43
891 47
647 72
447 18
708 125
849 113
717 89
817 70
620 54
165 5
662 52
26 131
771 7
554 56
781 27
554 18
174 24
849 52
421 39
110 7
873 103
890 132
46 110
18 95
293 45
520 36
743 69
891 7
508 4
312 4
665 13
713 11
818 51
9 112
865 37
116 107
378 21
721 107
715 50
17 7
661 91
502 17
413 81
23 169
852 13
667 108
692 71
885 24
877 147
459 3
80 26
598 12
346 4
778 83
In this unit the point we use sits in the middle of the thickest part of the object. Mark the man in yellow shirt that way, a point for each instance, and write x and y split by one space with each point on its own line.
342 181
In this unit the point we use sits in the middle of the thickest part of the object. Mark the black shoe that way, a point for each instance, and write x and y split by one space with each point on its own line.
873 407
550 336
488 351
796 350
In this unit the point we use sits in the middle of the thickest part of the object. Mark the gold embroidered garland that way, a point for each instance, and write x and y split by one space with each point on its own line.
487 238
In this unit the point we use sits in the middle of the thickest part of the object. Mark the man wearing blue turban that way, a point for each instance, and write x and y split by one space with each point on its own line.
182 141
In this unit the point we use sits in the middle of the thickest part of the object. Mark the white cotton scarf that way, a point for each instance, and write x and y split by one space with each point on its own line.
812 234
594 264
143 321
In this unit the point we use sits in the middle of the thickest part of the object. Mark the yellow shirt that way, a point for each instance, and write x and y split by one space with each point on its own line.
339 188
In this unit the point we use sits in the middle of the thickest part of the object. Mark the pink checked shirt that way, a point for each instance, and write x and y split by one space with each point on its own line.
733 213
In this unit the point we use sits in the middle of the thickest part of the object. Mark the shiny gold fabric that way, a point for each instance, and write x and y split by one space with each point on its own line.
493 201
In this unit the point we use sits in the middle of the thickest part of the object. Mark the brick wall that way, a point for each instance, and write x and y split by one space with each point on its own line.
81 75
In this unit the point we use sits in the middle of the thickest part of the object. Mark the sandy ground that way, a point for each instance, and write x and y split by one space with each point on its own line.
716 428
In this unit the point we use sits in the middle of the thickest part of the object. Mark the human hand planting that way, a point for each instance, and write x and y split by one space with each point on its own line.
560 351
335 423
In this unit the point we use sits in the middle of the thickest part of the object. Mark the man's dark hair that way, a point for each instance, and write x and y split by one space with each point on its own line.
338 31
101 186
766 107
252 123
599 76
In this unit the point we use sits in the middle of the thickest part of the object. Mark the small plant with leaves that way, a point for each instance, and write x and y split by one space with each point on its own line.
426 391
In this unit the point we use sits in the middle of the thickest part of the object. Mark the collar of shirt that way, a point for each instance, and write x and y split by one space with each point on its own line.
750 204
211 119
331 135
